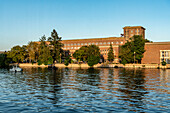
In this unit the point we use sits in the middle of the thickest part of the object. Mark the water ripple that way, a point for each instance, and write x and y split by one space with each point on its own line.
85 90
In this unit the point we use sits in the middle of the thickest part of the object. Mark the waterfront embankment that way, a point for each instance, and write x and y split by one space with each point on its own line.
100 65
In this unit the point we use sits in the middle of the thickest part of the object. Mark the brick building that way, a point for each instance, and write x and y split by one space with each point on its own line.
130 31
102 43
156 52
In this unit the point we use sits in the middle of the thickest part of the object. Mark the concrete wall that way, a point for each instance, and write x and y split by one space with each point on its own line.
100 65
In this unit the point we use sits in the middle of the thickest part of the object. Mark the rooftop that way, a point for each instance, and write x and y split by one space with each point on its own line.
108 38
133 27
157 43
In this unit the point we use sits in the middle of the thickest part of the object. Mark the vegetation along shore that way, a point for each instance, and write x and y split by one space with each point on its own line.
48 51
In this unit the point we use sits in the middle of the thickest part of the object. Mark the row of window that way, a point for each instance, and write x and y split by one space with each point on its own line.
71 47
132 31
130 35
104 50
96 43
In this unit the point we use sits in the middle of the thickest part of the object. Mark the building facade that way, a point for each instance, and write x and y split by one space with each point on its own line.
104 43
130 31
156 52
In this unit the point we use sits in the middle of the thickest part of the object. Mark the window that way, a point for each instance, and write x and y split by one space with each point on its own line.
78 44
68 48
112 42
138 31
89 43
96 43
100 43
68 44
117 42
104 43
108 42
85 43
75 47
71 44
75 44
131 34
71 47
121 42
81 43
78 47
166 54
131 31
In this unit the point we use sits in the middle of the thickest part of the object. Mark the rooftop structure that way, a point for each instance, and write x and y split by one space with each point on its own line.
130 31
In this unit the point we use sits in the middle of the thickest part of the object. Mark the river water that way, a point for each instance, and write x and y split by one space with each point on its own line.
85 90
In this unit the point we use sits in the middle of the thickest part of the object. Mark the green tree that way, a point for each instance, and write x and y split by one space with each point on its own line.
84 55
44 52
146 40
16 54
67 60
56 45
4 61
93 55
138 45
125 53
78 54
26 55
132 50
33 51
110 54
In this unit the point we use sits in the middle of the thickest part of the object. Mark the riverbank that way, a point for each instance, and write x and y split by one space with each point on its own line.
154 66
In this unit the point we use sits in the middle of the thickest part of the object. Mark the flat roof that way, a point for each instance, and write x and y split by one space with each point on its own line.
133 27
157 43
108 38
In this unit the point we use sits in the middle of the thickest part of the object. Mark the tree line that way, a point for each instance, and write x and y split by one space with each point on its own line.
49 50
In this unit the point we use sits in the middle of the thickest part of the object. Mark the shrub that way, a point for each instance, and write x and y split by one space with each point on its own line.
124 62
39 62
46 63
66 63
92 60
163 63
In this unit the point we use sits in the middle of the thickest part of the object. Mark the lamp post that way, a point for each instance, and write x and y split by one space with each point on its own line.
134 57
60 58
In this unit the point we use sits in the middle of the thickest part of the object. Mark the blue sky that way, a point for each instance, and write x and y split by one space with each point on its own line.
22 21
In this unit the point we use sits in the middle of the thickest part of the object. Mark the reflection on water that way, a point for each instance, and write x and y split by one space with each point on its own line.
85 90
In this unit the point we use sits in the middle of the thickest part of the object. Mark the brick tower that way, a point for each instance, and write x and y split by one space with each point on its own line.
130 31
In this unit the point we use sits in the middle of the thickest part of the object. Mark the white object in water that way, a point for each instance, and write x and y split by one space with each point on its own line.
15 68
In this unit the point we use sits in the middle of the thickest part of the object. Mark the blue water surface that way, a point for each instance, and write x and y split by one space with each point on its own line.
85 90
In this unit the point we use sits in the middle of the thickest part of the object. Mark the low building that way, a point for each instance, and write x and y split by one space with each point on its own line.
156 52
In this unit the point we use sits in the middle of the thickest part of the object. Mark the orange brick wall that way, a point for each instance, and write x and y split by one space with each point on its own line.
152 53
